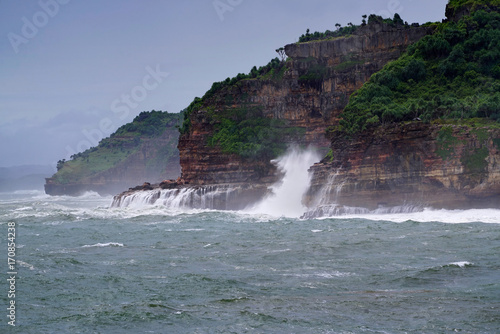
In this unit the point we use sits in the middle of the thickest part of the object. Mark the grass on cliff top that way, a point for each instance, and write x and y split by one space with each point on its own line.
117 148
452 74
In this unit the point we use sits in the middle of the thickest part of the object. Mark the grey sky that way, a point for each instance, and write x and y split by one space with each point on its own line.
73 71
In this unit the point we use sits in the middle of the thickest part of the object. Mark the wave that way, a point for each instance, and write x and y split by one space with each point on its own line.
108 244
25 265
460 264
443 268
490 216
85 195
286 195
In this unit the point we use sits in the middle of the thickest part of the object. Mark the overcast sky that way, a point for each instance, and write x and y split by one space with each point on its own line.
73 71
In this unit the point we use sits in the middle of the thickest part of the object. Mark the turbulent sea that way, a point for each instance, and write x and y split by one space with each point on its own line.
83 267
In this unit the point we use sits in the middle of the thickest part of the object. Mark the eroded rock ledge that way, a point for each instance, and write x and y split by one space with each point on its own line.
417 164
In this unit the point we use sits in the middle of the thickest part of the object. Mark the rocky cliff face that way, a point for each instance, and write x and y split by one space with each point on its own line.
413 164
310 94
151 161
410 164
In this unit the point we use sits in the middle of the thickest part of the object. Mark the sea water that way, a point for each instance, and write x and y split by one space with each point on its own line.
83 267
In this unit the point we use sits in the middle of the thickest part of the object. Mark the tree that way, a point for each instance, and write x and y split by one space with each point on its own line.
364 19
375 18
337 25
398 20
60 164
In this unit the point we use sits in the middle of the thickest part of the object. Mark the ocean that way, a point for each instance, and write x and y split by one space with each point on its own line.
84 267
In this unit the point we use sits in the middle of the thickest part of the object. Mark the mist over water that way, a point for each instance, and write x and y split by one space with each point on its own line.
286 197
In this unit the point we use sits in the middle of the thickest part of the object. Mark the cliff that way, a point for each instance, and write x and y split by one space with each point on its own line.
144 150
306 93
409 164
411 117
422 131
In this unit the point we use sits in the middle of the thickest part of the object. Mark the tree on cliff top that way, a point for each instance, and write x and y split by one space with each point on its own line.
350 29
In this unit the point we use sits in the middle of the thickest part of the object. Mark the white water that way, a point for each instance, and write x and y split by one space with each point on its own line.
36 205
434 215
286 197
206 197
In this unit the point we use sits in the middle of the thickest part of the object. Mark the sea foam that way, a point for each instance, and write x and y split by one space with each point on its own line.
108 244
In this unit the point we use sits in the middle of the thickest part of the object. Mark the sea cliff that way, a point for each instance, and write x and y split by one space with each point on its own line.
309 94
305 94
408 114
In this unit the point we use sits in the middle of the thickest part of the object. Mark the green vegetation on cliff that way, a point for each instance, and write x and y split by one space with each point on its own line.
274 70
246 132
243 131
454 4
118 147
452 74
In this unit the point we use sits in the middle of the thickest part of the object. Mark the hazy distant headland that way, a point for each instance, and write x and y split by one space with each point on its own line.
26 177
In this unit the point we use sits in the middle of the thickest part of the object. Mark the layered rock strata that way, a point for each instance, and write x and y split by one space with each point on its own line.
412 164
342 65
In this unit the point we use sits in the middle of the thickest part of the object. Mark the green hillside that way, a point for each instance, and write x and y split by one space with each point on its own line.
453 74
